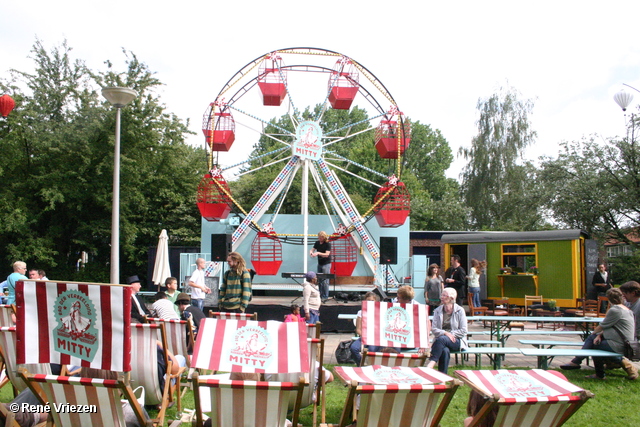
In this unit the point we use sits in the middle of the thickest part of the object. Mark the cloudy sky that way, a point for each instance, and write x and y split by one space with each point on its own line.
436 58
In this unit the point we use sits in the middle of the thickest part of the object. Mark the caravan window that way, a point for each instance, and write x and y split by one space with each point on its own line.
520 257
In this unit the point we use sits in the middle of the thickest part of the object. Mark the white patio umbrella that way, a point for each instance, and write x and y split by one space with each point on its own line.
161 269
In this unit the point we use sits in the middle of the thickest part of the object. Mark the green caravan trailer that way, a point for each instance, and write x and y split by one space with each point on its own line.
557 264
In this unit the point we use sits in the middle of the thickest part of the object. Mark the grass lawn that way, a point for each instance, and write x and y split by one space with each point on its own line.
614 404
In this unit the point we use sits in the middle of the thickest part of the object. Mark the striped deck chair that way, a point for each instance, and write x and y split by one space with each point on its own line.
522 398
6 312
398 405
232 316
412 360
144 367
179 337
8 351
314 329
106 395
404 326
247 403
314 392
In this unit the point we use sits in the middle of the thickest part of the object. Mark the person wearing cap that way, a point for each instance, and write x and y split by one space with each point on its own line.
235 292
138 308
183 301
311 297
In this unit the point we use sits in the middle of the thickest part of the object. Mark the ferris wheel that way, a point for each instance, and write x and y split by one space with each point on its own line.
278 84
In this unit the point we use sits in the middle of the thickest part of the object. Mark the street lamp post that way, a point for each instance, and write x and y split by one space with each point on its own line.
118 97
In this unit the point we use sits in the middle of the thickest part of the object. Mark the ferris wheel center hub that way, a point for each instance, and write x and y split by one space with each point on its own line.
308 144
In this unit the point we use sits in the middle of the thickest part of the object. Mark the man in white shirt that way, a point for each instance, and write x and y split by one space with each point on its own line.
198 288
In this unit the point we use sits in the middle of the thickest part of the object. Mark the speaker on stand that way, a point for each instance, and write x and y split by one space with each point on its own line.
388 255
220 247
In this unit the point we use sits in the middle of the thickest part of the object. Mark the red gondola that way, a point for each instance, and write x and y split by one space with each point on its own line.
387 138
212 201
272 80
395 209
266 254
219 129
343 84
345 255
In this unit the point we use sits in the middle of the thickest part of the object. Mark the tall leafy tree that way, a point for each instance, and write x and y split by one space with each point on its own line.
57 174
595 185
498 185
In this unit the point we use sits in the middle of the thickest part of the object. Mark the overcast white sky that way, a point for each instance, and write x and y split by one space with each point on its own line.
436 58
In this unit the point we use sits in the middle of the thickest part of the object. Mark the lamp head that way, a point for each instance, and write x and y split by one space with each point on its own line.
119 96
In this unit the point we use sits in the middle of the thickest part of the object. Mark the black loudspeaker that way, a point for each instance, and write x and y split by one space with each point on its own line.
388 250
378 291
220 246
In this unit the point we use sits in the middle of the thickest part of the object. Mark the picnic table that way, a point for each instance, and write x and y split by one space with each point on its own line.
499 324
546 355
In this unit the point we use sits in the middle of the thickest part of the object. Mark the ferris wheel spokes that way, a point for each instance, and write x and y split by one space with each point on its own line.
266 199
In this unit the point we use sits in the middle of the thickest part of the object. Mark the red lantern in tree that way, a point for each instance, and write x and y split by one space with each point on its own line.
6 105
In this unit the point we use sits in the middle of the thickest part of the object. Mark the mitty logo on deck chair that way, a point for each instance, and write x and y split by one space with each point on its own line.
252 347
75 333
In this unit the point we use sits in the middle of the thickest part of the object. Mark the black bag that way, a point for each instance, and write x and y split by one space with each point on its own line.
631 348
343 352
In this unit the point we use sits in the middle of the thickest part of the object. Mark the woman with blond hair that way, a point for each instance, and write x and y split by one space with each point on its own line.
235 292
449 327
477 267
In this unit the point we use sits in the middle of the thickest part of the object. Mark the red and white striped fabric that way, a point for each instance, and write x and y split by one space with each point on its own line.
248 403
389 324
377 374
406 405
249 346
8 347
144 361
103 395
177 338
527 398
233 316
411 360
82 324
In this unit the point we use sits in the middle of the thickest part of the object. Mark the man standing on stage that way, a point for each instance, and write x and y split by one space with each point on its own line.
322 251
456 278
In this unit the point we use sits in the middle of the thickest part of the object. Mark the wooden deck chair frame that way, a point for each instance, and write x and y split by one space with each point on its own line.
8 352
107 395
7 314
314 329
403 407
234 316
263 394
572 403
315 383
144 370
411 360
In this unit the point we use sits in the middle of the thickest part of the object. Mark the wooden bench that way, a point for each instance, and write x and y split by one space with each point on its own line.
546 355
477 343
495 354
506 335
550 344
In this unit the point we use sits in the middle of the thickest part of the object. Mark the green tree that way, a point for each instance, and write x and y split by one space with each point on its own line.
595 186
57 174
498 185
